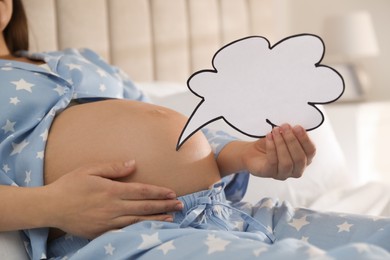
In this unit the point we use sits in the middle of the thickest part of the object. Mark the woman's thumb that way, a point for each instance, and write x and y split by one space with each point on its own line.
113 170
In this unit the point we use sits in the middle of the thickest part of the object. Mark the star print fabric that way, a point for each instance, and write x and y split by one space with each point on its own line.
31 96
220 229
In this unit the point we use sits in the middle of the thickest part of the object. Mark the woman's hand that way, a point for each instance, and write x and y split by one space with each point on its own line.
283 153
88 201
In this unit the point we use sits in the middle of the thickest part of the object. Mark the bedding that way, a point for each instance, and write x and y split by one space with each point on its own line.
211 228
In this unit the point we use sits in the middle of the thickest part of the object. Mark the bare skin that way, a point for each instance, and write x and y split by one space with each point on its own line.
118 129
105 131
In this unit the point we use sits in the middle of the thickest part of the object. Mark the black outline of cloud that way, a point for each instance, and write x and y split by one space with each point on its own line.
214 70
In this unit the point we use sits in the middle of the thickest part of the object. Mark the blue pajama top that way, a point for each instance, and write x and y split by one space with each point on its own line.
30 98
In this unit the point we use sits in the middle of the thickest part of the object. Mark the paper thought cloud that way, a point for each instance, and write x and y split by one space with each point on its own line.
254 86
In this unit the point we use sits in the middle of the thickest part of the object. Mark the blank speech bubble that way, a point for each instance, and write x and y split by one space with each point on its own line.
254 86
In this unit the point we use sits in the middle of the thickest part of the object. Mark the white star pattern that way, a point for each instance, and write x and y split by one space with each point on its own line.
109 249
73 66
60 90
156 225
260 250
52 112
344 227
6 168
18 148
217 209
314 252
27 180
362 248
149 241
247 207
101 72
40 155
298 223
215 244
269 229
267 204
23 85
238 225
44 135
166 247
9 127
305 239
102 87
14 100
214 145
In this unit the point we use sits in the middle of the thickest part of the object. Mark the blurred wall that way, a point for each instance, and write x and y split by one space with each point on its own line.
308 15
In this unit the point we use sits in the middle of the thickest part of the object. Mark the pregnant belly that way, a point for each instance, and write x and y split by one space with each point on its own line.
120 130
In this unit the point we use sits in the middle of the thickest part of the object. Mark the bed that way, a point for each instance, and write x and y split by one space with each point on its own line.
161 43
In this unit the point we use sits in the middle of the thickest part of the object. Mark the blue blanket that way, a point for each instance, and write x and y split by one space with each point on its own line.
209 227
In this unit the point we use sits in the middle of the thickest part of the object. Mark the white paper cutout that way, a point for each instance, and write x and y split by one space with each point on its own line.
254 86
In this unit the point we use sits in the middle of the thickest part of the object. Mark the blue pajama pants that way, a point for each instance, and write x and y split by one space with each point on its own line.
209 227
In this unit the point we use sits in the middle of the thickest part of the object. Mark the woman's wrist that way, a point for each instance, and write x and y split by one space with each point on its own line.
230 159
24 208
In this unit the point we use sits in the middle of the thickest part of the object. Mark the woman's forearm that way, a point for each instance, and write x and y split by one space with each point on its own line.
23 208
229 159
283 153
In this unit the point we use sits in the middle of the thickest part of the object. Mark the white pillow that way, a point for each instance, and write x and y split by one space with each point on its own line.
327 172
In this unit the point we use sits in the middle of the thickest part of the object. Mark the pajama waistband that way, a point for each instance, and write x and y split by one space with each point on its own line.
206 197
209 209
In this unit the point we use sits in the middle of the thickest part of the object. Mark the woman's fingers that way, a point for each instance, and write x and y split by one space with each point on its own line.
150 207
272 156
294 151
298 156
304 140
129 191
285 163
140 191
113 170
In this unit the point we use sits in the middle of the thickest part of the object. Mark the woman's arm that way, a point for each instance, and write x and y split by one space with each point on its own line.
283 153
23 208
86 202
